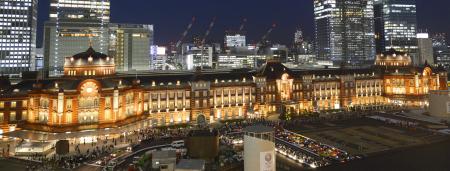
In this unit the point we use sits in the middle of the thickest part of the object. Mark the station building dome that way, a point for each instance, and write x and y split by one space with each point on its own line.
89 63
393 58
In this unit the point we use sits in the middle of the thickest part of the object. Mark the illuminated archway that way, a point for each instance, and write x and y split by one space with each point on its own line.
427 71
89 102
285 85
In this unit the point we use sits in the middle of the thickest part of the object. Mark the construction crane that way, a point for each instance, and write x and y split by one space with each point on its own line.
185 33
244 21
177 55
210 27
263 39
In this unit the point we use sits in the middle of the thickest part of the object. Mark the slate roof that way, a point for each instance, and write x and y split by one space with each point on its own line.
90 52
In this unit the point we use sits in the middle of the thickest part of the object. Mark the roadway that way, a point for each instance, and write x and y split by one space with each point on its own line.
126 159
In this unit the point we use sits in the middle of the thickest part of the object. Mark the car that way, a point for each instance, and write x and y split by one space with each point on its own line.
111 165
128 149
99 162
177 144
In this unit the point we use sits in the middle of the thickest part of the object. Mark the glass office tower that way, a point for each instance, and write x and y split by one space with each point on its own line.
72 26
345 31
17 36
441 50
379 27
399 22
90 11
130 45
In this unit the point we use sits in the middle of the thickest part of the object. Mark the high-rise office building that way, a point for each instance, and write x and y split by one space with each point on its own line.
197 56
441 49
159 58
396 25
130 46
345 31
17 36
425 49
72 25
235 40
379 27
301 46
39 58
298 37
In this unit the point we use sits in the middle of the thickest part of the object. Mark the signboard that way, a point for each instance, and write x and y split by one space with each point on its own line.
267 161
161 50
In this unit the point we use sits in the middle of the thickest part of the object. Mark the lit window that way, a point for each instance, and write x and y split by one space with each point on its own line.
2 105
12 116
13 104
24 115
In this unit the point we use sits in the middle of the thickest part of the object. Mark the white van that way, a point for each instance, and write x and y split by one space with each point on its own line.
177 144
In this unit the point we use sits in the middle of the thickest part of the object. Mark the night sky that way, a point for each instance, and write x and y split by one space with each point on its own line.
171 17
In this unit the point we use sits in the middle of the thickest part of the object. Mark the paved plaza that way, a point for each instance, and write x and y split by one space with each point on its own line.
429 157
367 139
364 136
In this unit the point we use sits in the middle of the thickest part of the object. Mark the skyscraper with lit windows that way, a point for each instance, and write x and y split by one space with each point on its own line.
17 36
72 25
441 50
345 31
398 24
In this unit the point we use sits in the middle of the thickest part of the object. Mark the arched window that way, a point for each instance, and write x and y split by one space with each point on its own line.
427 71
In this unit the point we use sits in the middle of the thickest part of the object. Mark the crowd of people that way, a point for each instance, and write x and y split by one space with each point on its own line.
100 148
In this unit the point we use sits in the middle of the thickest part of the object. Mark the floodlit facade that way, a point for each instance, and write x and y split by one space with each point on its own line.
345 31
92 95
405 85
72 25
18 36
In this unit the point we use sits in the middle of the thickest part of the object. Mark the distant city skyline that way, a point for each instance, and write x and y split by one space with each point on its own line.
170 20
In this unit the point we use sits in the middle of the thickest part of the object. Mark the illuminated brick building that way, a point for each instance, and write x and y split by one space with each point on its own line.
91 95
406 85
